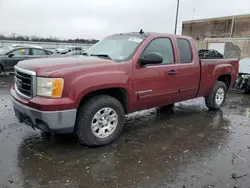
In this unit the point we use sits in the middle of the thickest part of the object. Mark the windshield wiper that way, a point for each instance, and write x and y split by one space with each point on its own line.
102 56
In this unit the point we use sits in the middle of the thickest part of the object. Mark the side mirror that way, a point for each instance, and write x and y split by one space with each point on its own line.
151 58
10 55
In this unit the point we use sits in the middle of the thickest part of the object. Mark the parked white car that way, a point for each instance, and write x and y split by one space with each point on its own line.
244 66
68 49
243 81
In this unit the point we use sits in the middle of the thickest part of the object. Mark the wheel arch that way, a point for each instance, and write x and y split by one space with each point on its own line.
226 78
121 94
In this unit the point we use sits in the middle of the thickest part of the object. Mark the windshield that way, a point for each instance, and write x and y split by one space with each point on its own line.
118 48
5 50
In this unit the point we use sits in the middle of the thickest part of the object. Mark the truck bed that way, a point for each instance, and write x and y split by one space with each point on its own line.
212 69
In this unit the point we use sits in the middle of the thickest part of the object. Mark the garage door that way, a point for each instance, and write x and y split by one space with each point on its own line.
220 47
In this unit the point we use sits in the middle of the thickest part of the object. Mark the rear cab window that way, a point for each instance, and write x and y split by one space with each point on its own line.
185 51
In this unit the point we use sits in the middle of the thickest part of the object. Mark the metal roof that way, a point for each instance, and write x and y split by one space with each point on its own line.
218 18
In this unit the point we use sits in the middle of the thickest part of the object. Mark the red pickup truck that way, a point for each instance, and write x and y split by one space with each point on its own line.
123 73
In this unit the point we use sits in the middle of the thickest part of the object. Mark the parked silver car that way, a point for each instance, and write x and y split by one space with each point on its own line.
11 56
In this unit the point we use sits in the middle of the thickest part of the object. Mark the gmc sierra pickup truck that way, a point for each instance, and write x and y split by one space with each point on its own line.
89 95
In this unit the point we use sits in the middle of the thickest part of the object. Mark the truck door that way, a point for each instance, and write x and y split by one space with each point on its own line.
189 70
156 85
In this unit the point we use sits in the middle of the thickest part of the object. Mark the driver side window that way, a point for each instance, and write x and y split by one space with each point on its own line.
20 52
162 46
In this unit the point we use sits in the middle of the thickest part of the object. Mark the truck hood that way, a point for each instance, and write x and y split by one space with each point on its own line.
47 66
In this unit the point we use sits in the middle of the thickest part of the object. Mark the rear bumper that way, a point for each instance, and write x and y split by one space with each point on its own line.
61 122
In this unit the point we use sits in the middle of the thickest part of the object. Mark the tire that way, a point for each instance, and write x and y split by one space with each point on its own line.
214 103
87 117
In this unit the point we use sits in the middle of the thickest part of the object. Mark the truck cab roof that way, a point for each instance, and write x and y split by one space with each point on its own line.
147 34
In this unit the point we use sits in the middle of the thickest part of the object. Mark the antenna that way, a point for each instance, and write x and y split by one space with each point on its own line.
141 32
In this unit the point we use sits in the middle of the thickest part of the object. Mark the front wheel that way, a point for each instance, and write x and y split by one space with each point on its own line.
218 96
100 121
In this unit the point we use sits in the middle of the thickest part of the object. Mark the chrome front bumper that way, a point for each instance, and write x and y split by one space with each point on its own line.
61 122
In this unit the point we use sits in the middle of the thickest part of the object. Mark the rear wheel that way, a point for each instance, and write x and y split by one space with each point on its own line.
100 121
218 96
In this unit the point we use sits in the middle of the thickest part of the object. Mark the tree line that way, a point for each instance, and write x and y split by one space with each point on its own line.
34 38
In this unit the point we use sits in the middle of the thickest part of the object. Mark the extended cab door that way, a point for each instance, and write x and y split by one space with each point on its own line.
189 69
156 85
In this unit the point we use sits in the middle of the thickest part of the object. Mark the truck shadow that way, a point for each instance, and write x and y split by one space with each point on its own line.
154 144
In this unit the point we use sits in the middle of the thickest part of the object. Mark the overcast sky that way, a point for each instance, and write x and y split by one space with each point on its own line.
98 18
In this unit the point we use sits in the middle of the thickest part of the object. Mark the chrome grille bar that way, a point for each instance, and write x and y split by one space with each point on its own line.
25 83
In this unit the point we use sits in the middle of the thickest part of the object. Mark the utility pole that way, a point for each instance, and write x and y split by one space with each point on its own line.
232 27
177 13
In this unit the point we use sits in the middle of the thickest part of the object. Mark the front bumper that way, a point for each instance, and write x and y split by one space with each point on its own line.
61 122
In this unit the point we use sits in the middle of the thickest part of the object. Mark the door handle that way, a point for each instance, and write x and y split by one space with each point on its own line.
172 72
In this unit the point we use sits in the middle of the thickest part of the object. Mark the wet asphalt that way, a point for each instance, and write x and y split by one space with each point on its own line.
188 146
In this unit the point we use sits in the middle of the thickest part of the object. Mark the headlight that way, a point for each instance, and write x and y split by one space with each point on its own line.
50 87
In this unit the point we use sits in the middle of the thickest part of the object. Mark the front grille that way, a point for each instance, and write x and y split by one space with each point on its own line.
24 83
